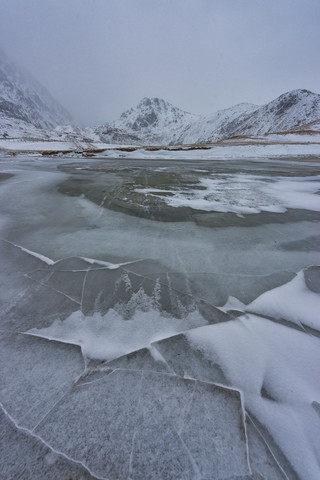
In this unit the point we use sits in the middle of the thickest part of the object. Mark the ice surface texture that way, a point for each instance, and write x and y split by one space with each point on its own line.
244 194
136 349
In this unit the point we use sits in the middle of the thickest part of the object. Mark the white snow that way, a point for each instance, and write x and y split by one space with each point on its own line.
108 265
245 194
291 137
233 303
293 302
23 145
254 152
255 353
111 336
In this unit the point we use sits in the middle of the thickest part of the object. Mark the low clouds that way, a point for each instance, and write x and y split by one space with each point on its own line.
99 57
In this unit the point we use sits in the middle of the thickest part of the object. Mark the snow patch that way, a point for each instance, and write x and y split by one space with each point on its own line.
276 368
245 194
110 336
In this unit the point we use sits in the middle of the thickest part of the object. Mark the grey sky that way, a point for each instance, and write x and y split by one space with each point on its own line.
100 57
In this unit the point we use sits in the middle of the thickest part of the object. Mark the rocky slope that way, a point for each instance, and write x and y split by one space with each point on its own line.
24 102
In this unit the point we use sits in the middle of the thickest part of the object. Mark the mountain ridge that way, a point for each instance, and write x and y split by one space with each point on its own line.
28 110
155 121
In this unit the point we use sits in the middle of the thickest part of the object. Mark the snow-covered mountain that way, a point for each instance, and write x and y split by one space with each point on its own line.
25 102
155 121
287 112
218 125
28 110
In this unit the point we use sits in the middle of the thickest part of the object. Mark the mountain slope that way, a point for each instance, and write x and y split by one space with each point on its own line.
154 121
287 112
218 125
24 99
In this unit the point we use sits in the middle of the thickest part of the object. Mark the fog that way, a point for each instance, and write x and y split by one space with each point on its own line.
101 57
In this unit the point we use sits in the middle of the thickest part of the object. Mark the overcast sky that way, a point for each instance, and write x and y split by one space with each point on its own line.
100 57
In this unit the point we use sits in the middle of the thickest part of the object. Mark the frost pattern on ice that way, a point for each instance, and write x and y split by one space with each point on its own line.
244 194
109 336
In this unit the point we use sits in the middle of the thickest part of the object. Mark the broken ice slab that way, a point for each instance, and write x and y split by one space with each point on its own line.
267 460
144 359
148 359
13 284
215 287
38 307
35 374
219 448
167 299
69 284
137 314
188 362
158 451
203 420
150 425
104 288
97 433
262 462
171 300
39 462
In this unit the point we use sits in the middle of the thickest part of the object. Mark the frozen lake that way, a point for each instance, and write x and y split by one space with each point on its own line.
160 318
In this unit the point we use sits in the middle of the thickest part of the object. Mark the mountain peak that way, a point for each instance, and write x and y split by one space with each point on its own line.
153 101
154 118
298 92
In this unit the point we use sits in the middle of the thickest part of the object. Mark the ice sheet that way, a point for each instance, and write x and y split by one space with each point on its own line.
157 412
145 424
39 461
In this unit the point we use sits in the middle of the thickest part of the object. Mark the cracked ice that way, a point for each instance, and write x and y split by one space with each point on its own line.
134 348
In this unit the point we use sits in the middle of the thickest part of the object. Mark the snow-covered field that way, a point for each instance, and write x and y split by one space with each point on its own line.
260 147
226 152
137 343
33 146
